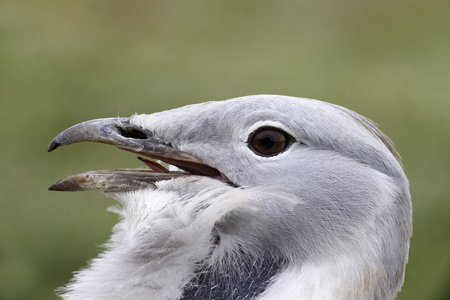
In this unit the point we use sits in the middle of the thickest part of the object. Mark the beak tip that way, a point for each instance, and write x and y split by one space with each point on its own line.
64 186
53 187
53 145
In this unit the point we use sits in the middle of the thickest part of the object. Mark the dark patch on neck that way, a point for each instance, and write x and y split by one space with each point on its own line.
245 278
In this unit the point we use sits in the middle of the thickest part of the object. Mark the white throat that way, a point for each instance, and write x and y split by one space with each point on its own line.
337 280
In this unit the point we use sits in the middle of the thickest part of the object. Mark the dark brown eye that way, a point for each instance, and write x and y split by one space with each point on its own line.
268 141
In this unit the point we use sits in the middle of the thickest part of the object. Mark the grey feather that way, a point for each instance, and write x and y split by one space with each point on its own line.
331 215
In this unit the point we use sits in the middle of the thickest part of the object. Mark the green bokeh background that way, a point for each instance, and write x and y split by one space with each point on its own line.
64 62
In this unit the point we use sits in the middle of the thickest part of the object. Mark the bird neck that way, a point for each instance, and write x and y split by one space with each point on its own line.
340 278
240 277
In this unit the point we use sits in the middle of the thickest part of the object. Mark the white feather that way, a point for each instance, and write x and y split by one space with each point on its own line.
334 208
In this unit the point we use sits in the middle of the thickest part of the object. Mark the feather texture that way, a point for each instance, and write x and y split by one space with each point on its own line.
327 218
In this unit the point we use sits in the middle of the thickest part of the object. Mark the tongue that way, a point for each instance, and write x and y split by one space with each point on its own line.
154 166
191 167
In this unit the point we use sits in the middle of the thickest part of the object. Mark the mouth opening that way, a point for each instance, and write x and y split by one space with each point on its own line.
120 180
188 168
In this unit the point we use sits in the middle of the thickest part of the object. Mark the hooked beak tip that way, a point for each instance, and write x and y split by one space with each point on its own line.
53 145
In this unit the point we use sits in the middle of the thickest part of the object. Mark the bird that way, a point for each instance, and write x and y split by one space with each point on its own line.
257 197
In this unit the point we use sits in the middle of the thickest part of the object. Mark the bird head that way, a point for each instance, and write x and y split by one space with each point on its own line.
272 196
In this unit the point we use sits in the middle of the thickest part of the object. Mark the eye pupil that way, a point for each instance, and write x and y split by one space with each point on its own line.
268 141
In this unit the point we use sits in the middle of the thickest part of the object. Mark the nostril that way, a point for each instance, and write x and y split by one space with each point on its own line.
132 132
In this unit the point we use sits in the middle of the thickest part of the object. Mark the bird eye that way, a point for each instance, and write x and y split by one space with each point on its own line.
269 141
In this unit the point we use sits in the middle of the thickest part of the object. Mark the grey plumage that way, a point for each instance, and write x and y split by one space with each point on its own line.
327 217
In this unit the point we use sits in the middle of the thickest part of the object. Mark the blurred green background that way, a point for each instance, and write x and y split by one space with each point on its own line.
64 62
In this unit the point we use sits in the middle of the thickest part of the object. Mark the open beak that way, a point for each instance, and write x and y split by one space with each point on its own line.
120 133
